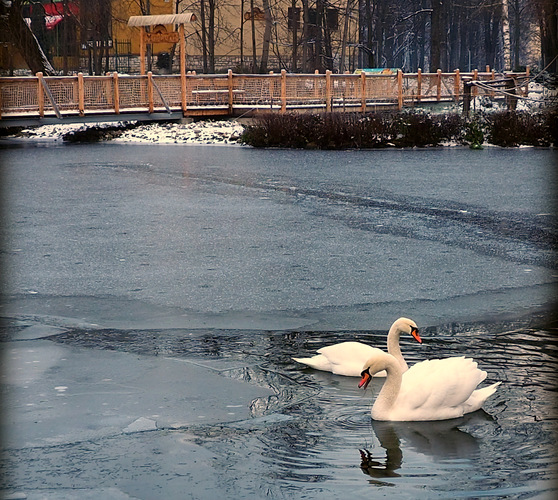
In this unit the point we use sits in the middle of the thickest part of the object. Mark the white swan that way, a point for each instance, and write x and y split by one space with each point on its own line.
436 389
348 358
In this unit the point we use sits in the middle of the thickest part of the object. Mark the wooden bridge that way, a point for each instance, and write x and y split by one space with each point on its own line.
36 100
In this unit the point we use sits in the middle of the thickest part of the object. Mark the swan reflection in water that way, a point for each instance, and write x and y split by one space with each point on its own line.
441 439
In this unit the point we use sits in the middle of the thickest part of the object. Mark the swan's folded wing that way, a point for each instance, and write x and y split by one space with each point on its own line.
348 352
348 358
318 362
440 383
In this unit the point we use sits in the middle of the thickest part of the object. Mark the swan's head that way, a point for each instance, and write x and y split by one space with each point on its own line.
406 325
377 363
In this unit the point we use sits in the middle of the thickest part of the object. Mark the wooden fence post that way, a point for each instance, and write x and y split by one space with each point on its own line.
116 92
399 89
328 94
475 77
283 91
456 86
182 66
81 94
466 96
439 85
142 50
363 91
419 84
230 87
40 95
510 89
150 91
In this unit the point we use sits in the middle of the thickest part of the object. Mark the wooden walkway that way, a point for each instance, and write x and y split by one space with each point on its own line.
40 100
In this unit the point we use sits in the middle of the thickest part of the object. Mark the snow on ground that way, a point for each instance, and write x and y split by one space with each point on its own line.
202 132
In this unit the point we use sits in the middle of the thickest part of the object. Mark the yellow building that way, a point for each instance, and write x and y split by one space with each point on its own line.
243 35
257 35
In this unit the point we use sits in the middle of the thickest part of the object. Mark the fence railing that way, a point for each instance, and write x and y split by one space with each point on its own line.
233 94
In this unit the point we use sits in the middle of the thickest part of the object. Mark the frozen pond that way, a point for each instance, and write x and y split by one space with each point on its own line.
145 286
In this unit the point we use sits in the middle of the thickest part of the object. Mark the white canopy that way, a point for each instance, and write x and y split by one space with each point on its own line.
186 17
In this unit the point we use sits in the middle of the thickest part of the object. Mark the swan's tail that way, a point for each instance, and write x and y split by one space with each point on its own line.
316 362
479 396
488 391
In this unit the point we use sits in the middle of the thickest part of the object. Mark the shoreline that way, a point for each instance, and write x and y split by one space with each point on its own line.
371 131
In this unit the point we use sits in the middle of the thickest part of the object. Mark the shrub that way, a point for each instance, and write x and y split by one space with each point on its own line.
400 129
551 124
474 135
509 128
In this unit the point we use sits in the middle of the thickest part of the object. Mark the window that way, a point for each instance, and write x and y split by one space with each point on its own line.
331 18
294 18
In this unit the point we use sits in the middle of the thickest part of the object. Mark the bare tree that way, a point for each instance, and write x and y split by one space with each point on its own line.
18 33
437 35
266 36
547 13
506 35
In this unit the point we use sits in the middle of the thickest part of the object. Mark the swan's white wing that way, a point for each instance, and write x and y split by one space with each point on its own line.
439 389
318 362
348 358
345 358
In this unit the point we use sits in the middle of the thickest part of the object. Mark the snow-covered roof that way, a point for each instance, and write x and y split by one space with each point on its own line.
184 18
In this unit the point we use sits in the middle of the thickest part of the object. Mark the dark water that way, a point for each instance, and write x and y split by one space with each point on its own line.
314 437
241 259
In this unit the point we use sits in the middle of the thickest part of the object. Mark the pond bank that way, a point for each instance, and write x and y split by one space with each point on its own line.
407 129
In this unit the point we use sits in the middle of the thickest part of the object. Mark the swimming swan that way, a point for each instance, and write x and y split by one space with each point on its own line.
348 358
436 389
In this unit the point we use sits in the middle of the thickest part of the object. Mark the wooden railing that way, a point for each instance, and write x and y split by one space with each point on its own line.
230 94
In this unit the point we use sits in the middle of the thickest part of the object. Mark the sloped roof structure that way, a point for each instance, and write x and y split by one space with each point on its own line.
184 18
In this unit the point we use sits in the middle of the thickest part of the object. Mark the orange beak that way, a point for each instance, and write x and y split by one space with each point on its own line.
365 380
415 334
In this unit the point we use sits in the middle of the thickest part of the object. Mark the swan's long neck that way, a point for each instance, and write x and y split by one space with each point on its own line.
390 390
393 347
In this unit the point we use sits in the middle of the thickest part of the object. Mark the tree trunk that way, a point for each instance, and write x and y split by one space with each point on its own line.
211 36
24 40
266 37
548 21
506 45
516 34
319 30
327 58
305 36
366 36
294 25
342 66
241 35
436 36
253 25
203 35
491 32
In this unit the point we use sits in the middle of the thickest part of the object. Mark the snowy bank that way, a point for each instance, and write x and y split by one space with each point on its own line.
202 132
